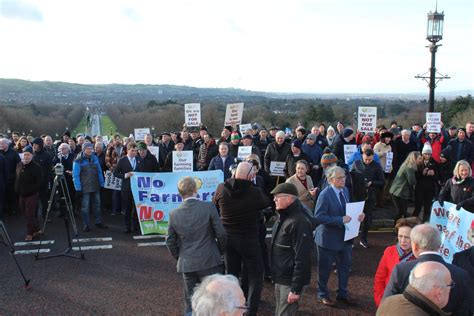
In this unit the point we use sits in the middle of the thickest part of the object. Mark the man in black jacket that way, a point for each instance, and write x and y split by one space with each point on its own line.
291 249
367 177
44 159
240 203
425 243
11 161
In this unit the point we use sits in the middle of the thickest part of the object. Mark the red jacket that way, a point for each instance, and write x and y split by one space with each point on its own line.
436 145
389 260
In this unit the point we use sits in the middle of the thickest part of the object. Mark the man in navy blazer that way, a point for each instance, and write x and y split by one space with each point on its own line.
330 214
124 170
425 243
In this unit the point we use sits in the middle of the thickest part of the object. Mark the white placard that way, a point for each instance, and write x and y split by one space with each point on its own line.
244 127
388 161
352 228
277 168
155 151
433 122
367 119
349 150
243 152
140 133
233 114
192 114
182 160
112 182
105 139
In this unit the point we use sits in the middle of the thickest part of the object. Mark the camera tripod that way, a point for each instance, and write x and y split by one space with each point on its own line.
60 186
8 243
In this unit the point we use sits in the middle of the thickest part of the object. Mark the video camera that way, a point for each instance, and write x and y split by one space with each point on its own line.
59 169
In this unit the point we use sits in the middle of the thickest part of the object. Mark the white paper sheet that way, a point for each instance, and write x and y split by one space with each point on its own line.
352 228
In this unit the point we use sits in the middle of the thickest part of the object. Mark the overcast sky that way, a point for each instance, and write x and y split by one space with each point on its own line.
324 46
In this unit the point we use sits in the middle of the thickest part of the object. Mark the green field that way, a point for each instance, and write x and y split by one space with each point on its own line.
81 127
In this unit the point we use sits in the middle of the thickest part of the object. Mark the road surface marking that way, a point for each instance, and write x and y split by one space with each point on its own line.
268 236
150 244
33 243
148 237
92 247
92 239
31 251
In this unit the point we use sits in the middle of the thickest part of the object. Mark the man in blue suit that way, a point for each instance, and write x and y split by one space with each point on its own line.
331 216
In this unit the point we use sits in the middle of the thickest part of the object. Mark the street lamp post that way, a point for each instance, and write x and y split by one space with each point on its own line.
434 33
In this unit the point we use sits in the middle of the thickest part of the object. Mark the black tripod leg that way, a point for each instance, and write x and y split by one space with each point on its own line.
7 241
27 281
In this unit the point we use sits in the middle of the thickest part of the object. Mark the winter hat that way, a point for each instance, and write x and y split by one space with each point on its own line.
346 132
427 149
141 146
87 145
285 188
328 158
330 128
38 141
247 136
234 135
297 143
28 148
312 137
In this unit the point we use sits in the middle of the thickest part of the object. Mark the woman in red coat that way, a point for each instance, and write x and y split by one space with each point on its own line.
393 255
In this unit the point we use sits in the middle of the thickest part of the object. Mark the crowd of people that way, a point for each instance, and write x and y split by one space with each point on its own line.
391 165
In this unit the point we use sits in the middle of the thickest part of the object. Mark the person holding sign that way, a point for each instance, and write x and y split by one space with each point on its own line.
276 151
426 184
150 164
331 215
223 161
345 138
460 188
385 152
436 140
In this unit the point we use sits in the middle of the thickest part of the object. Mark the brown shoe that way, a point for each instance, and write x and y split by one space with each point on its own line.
327 301
346 300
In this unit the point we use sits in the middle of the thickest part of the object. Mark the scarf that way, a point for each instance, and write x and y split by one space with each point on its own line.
404 256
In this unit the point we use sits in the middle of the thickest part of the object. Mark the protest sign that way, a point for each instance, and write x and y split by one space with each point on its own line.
192 114
243 152
140 133
388 162
155 151
277 168
349 150
456 228
367 119
233 114
156 194
244 127
433 122
352 228
105 140
182 161
111 182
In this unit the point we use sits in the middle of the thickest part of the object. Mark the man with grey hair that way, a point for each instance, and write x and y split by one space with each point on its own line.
330 214
240 203
427 293
290 250
219 295
196 238
425 244
401 148
66 159
276 151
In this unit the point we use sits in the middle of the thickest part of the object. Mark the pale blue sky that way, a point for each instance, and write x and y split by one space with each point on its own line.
326 46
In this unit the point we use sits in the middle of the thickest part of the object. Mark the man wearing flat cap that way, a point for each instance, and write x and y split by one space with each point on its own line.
290 249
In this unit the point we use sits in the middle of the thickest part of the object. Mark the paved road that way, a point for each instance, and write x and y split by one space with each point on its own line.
121 277
95 126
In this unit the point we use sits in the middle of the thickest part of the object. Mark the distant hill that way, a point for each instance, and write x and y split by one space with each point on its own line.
20 92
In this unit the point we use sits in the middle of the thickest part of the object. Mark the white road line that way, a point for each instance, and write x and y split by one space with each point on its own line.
93 247
151 244
31 251
92 239
268 236
269 229
148 237
33 243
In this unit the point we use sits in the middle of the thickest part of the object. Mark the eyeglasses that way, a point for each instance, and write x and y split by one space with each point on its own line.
245 308
451 285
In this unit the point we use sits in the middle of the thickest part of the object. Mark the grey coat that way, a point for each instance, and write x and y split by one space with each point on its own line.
196 236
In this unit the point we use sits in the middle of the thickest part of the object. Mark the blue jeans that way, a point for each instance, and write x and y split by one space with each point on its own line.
343 259
86 197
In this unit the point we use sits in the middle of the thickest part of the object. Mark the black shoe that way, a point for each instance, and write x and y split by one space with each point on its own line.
268 278
327 301
364 244
101 226
346 300
86 228
127 231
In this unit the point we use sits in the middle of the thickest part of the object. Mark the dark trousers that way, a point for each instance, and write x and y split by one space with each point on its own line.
129 209
423 198
11 199
2 202
368 209
191 279
262 234
343 259
44 198
401 206
242 250
29 205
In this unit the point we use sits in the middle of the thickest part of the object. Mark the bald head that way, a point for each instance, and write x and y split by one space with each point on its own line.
433 280
243 171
